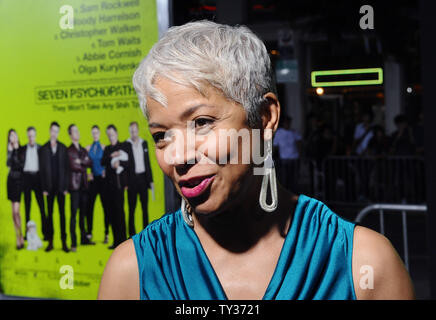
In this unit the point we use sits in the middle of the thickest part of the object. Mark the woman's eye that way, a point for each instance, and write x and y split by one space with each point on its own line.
201 122
158 136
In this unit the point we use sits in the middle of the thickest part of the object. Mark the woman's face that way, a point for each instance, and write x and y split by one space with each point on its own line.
215 156
13 138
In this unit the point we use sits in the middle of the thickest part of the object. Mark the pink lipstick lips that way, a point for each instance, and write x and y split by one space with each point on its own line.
194 187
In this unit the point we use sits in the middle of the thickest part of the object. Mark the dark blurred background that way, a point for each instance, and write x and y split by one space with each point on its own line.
357 145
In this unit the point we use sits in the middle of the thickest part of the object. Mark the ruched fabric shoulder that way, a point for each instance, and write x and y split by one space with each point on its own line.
152 241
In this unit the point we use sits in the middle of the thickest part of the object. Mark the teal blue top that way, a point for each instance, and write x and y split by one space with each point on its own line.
314 263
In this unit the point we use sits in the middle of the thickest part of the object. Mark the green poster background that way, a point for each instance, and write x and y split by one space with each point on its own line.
82 76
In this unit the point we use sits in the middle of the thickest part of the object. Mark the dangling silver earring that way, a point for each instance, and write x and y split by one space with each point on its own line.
269 176
186 216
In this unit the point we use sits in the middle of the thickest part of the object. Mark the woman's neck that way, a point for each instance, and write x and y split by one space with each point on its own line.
239 228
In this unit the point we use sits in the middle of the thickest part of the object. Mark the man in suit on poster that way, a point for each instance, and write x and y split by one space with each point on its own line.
32 178
53 161
116 162
140 177
78 186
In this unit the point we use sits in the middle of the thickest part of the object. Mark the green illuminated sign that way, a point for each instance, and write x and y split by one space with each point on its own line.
347 77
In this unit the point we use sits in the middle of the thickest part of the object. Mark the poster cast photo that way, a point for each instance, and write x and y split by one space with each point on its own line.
53 171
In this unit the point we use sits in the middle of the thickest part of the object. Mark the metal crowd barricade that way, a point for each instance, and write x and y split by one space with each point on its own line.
358 179
394 208
300 175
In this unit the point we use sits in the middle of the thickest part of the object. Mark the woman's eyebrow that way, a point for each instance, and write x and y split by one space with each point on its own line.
155 125
192 109
183 115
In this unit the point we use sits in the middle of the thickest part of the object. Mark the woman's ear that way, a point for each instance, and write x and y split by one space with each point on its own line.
270 115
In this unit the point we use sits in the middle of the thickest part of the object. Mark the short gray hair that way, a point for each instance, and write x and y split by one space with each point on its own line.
231 59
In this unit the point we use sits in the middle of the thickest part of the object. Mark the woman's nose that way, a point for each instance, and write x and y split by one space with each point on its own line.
183 150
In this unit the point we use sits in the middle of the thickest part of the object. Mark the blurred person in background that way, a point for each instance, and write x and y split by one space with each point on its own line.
418 134
327 146
419 185
288 142
402 147
402 140
379 143
328 143
363 133
312 137
379 170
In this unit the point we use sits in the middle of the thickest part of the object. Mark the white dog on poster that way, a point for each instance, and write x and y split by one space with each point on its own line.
33 240
122 157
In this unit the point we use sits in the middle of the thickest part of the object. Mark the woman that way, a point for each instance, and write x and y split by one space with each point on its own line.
15 162
238 234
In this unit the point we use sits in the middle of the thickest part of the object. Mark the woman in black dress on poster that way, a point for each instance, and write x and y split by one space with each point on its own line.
15 162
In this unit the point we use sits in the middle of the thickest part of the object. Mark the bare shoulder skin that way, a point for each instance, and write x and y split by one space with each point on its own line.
378 271
120 280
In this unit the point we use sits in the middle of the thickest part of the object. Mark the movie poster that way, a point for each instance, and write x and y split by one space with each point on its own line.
70 62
